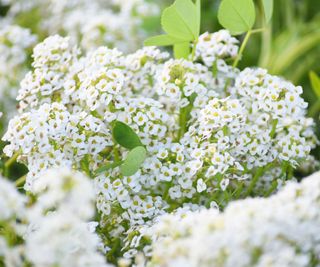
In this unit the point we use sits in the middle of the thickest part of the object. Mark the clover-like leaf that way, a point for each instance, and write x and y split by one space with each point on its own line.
125 136
162 40
133 161
181 22
181 50
237 16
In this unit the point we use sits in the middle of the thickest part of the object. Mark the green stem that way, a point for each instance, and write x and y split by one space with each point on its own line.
258 30
108 167
20 181
9 162
12 160
182 122
254 181
243 46
193 53
274 128
238 191
240 54
184 116
116 154
273 187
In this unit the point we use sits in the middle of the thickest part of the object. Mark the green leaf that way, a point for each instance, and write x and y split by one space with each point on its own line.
179 20
133 161
274 128
125 136
238 16
85 164
315 83
108 167
181 50
161 40
198 8
267 9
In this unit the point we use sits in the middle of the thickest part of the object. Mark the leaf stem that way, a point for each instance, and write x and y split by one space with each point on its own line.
193 53
184 116
12 160
182 122
258 30
243 46
9 162
107 167
20 181
239 56
116 154
254 181
272 188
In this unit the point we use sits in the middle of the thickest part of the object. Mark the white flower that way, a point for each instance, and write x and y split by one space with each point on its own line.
218 45
279 231
201 144
60 234
201 186
11 202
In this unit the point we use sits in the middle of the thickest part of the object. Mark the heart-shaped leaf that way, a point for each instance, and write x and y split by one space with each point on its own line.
162 40
181 50
237 16
181 22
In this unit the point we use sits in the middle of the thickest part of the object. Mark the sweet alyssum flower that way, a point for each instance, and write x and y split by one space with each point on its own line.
12 210
209 136
279 231
15 49
54 230
90 23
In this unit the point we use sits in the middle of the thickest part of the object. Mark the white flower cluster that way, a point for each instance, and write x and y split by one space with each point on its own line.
90 23
14 45
270 100
52 136
59 219
12 210
280 231
263 121
54 231
206 133
52 59
15 48
11 202
212 47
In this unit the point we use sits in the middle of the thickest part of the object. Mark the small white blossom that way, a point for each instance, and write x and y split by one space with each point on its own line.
279 231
